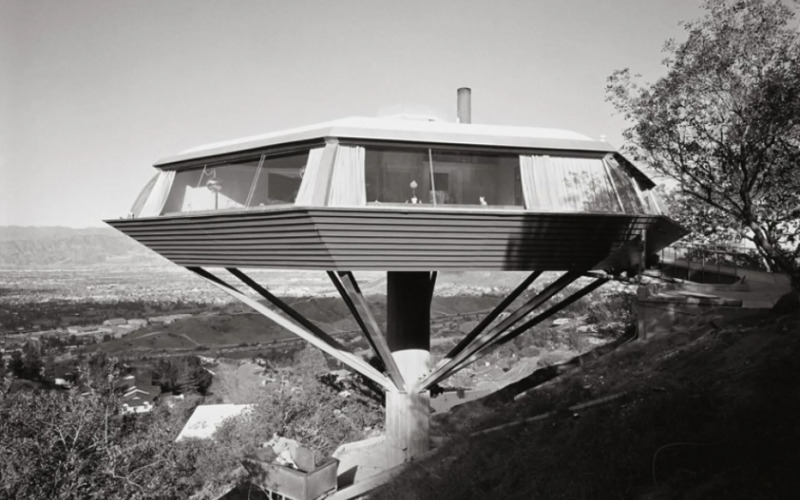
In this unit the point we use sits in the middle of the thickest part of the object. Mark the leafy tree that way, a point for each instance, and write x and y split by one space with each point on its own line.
301 406
16 364
724 123
49 368
27 362
166 374
180 375
310 409
99 372
32 354
68 445
712 238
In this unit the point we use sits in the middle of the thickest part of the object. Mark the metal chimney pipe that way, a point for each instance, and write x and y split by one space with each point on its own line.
464 105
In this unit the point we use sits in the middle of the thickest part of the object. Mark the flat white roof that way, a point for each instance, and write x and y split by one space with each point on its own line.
206 419
405 130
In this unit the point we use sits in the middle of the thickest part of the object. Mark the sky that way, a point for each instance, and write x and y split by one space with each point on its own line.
93 92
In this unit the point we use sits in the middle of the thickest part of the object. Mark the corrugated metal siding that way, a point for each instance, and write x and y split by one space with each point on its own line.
388 239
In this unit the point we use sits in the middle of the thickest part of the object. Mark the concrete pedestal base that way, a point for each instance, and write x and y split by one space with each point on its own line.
408 413
407 426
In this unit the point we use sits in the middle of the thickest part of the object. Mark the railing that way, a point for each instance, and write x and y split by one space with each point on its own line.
710 263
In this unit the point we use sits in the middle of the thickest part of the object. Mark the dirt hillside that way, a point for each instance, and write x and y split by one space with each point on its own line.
708 412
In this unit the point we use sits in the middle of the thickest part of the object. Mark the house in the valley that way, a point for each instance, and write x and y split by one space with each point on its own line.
138 395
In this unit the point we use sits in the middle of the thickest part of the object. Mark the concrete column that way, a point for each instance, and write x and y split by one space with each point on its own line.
408 337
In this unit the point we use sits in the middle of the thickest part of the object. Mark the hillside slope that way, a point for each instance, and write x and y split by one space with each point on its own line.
48 246
711 412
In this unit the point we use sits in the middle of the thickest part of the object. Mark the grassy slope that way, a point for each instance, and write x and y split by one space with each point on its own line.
712 412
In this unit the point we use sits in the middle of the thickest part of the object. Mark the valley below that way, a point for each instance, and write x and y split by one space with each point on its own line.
146 310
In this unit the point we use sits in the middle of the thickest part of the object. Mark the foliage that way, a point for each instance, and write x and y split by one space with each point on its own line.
724 124
306 406
182 374
300 406
27 363
67 445
16 364
79 444
712 239
75 444
612 312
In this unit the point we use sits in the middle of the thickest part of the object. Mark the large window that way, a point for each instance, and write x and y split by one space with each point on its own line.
441 178
279 180
481 179
353 176
217 187
626 189
251 183
396 175
565 184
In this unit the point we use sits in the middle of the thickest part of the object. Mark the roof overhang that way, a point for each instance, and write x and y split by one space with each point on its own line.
404 130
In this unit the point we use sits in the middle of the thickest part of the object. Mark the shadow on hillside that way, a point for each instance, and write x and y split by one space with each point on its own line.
709 412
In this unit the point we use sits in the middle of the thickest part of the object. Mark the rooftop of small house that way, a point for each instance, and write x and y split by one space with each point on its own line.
206 419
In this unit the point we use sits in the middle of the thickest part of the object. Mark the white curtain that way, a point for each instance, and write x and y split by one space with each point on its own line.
650 202
158 195
310 175
136 208
561 184
347 182
527 166
629 194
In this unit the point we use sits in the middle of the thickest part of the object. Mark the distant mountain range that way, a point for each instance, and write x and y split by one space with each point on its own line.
63 246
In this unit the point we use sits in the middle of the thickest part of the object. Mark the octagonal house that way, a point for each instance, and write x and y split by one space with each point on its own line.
409 197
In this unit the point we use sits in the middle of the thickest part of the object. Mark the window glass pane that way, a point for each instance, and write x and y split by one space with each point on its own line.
136 209
624 184
395 175
279 180
215 187
567 184
654 204
476 179
183 180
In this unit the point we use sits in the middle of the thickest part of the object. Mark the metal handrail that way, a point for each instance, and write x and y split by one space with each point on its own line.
719 259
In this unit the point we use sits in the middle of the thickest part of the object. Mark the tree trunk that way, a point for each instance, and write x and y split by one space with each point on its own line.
777 260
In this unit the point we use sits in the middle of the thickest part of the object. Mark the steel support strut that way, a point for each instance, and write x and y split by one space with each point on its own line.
348 288
314 335
283 306
486 339
487 320
508 337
